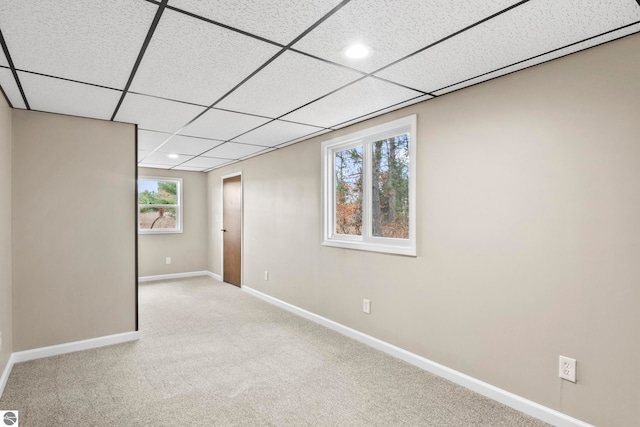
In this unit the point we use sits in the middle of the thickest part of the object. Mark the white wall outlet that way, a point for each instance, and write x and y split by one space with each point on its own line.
168 260
568 368
266 275
366 306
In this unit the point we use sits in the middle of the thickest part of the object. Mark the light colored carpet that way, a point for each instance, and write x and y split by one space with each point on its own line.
212 355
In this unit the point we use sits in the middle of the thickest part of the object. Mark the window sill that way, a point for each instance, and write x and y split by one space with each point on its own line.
372 247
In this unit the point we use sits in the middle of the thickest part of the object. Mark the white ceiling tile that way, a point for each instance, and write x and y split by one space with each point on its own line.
276 132
188 145
3 59
383 111
92 41
149 140
65 97
189 168
358 99
142 154
304 138
531 29
158 158
152 165
293 79
277 20
156 114
191 60
204 162
557 54
223 125
231 150
392 28
10 88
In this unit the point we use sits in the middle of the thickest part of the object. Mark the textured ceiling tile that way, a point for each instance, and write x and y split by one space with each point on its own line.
158 158
204 162
304 138
191 60
3 59
293 80
231 150
188 145
156 114
189 168
277 20
92 41
65 97
10 88
557 54
392 28
222 125
151 165
142 154
276 132
358 99
383 111
149 141
534 28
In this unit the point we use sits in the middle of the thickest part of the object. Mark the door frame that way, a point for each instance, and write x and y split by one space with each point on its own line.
222 178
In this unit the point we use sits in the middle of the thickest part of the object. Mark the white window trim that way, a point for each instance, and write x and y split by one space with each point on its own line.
179 206
367 242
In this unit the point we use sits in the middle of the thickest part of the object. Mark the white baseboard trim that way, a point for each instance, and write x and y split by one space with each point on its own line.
214 276
173 276
5 374
54 350
514 401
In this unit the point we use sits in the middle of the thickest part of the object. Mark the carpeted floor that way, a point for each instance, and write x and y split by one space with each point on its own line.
212 355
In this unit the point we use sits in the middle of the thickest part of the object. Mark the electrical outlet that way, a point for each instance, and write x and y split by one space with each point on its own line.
168 260
366 306
568 369
266 275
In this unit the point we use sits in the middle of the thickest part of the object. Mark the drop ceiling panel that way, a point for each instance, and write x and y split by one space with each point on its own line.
553 55
3 59
10 88
204 163
151 165
189 168
383 111
293 80
393 29
191 60
311 135
91 41
142 154
149 141
277 20
158 158
188 145
231 150
65 97
358 99
276 132
531 29
222 125
156 114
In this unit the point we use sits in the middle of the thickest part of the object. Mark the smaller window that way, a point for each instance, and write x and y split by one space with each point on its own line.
159 205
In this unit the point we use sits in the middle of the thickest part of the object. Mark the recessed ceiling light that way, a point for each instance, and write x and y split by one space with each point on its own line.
172 156
357 51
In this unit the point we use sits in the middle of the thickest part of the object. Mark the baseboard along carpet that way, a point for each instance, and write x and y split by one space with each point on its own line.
212 355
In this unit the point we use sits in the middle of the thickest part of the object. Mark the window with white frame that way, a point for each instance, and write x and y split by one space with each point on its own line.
369 189
159 205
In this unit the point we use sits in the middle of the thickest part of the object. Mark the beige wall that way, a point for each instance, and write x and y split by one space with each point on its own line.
5 234
188 250
73 228
528 235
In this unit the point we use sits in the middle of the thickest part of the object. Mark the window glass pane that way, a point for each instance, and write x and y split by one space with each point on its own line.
348 191
157 192
390 187
157 218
